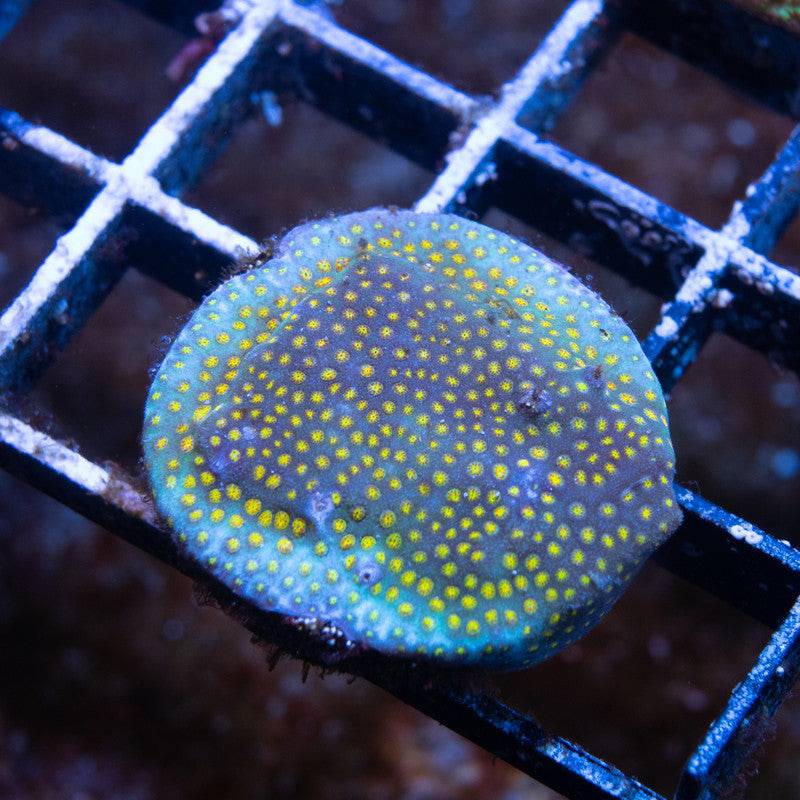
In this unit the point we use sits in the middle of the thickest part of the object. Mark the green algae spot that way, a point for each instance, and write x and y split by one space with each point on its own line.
786 12
418 433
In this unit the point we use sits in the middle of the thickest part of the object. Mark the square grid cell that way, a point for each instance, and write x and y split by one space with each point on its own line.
485 153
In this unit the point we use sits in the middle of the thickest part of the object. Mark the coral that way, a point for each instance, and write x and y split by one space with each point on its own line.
414 433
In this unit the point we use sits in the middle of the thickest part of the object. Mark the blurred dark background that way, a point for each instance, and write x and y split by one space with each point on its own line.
114 682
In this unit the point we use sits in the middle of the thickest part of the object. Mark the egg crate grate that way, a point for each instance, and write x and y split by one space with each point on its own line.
129 214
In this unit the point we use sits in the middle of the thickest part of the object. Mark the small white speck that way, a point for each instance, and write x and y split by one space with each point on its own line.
722 299
667 328
489 173
746 533
765 288
695 286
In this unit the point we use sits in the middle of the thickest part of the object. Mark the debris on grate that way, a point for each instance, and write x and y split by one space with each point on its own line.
211 27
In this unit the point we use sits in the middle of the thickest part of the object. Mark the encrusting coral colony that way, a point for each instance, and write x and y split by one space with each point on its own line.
414 433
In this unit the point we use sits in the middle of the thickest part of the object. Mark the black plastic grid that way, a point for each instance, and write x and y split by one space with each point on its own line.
129 214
